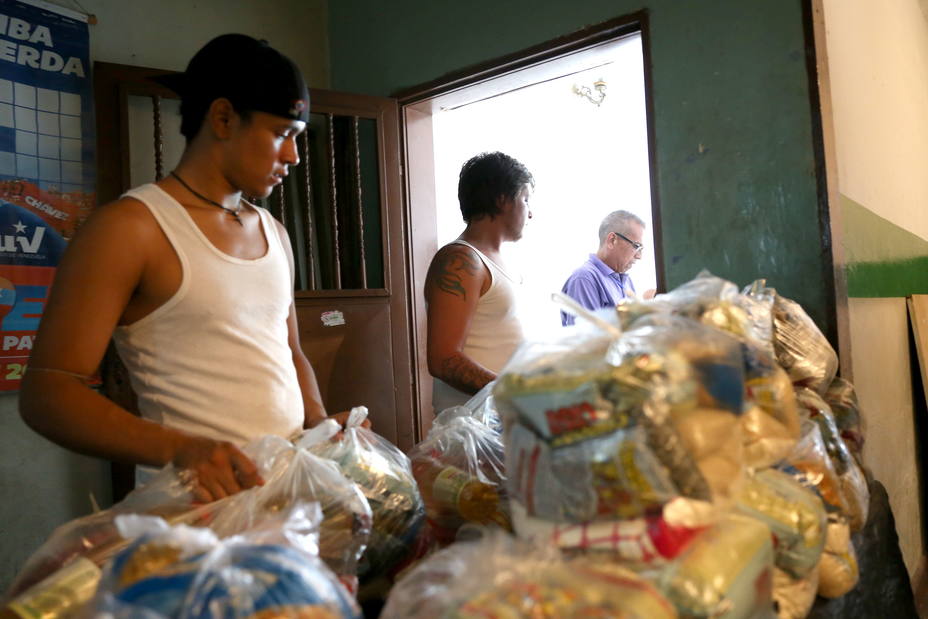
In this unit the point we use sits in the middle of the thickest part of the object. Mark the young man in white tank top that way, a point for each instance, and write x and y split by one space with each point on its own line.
473 327
195 284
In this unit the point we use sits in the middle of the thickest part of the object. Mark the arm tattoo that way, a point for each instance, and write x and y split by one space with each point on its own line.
449 270
462 373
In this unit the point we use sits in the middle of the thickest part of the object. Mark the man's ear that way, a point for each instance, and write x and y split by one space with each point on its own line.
221 118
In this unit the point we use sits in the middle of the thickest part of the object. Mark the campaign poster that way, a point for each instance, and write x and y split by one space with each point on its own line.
47 184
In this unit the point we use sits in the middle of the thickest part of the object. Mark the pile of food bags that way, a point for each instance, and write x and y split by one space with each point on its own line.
364 487
688 440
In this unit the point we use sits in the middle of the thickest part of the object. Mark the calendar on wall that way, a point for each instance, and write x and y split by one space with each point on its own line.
47 181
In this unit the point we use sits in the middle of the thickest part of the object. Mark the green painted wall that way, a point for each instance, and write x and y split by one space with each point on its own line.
883 259
736 169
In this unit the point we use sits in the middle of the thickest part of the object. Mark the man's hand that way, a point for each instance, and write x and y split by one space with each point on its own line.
341 418
219 469
649 293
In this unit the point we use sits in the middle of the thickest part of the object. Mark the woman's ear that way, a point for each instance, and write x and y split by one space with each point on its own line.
221 117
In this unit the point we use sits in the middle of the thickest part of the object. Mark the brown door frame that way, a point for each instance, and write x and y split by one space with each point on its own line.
520 69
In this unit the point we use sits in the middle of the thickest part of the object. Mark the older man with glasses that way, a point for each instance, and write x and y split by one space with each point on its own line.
603 280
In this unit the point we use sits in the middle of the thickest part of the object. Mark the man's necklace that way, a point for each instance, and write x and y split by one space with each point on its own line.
231 211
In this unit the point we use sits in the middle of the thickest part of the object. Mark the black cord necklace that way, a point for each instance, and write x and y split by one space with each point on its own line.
231 211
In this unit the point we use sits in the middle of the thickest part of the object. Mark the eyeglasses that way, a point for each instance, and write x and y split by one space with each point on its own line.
638 246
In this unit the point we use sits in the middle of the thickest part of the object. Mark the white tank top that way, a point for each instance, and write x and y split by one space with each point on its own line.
214 360
495 331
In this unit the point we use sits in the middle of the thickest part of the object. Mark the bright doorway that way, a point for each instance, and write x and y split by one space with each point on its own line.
584 137
587 160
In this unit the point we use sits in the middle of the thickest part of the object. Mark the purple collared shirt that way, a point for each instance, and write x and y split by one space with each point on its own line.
594 286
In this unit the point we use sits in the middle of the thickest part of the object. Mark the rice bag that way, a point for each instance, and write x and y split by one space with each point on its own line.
842 398
851 477
292 475
519 579
794 597
461 475
713 438
385 477
186 572
725 571
795 515
771 421
801 349
838 568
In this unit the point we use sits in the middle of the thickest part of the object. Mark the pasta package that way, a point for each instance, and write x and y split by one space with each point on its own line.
795 515
726 571
520 579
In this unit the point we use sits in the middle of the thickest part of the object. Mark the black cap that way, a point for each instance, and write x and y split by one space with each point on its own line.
251 74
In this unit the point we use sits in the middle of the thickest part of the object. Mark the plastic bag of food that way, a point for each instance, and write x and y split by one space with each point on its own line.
496 576
461 475
713 438
810 465
794 597
95 537
843 401
385 477
771 420
851 477
838 568
187 572
795 515
643 542
716 302
725 571
801 349
293 475
609 477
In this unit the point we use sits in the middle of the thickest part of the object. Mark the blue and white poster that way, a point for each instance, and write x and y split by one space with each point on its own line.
47 183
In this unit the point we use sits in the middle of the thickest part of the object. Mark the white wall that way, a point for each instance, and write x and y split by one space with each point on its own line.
42 485
878 61
878 65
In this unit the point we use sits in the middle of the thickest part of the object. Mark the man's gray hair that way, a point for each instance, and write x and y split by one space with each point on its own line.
618 221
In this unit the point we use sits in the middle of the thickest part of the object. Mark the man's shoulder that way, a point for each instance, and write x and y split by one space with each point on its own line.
584 272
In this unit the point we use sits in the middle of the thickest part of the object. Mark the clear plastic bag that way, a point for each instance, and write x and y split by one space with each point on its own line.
810 465
95 536
384 475
771 421
716 302
851 477
801 349
496 576
726 571
292 475
795 515
461 475
186 572
842 398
